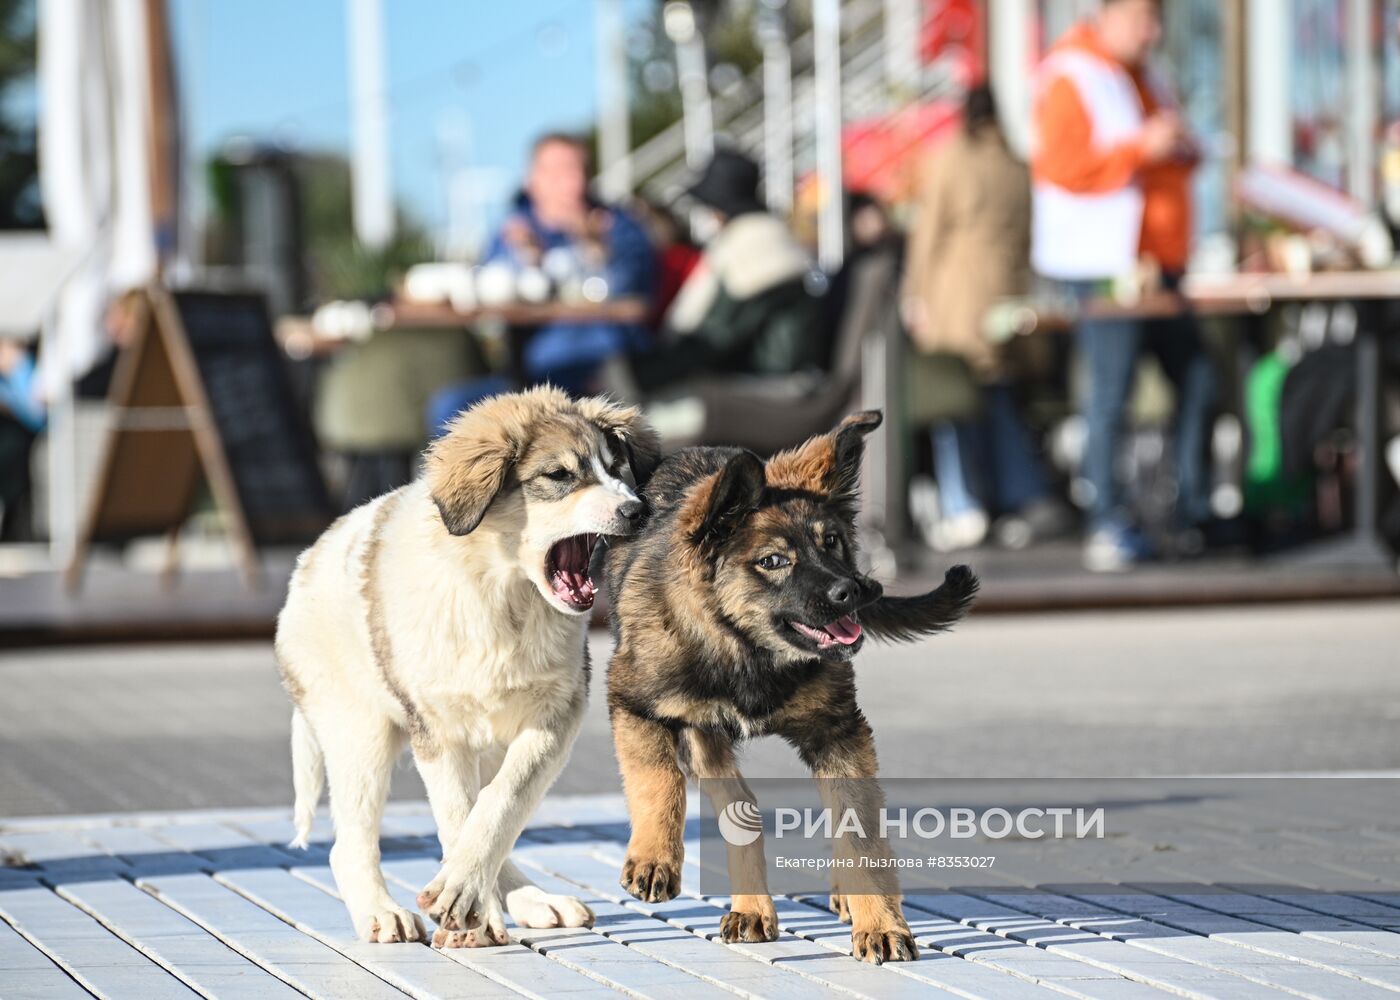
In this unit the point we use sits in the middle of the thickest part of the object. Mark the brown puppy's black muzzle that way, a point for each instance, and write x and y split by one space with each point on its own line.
848 594
868 591
841 595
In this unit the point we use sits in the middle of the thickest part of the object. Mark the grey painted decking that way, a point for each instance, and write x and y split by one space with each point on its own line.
211 904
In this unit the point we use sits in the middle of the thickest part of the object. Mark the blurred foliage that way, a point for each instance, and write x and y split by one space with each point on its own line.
20 206
343 269
337 266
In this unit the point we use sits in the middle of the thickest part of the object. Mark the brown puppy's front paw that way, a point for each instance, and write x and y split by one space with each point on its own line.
750 918
884 943
652 880
840 907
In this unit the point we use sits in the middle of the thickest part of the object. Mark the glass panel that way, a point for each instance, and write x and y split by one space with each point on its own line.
1192 61
19 107
1319 89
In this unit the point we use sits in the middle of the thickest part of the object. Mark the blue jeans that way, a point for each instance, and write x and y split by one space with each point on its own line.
1111 347
446 403
989 463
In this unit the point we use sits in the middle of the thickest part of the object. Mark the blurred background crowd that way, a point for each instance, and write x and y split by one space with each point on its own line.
1122 273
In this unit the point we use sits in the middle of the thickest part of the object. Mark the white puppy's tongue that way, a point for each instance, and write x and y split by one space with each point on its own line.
844 630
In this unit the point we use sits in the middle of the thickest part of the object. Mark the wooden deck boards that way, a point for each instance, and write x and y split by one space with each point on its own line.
214 905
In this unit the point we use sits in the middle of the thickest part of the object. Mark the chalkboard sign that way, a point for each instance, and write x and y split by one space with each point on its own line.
201 394
269 449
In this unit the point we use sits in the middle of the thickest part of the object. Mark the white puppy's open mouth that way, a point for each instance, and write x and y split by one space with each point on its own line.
566 569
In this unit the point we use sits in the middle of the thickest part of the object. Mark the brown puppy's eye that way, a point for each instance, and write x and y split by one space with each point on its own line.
559 475
773 561
830 540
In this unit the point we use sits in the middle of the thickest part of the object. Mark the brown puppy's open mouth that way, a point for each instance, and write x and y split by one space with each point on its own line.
566 569
844 631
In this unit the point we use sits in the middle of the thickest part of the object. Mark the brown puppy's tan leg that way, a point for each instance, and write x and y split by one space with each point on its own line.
751 916
655 789
841 753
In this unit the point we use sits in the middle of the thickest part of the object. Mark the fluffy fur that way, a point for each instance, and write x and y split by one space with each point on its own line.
737 611
433 615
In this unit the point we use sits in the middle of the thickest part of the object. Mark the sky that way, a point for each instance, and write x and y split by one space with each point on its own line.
493 73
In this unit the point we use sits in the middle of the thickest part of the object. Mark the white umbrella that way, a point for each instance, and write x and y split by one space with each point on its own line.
104 118
94 166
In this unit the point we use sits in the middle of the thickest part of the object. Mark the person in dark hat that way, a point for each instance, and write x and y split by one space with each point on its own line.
745 309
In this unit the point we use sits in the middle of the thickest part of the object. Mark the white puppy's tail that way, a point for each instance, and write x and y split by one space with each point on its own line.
308 777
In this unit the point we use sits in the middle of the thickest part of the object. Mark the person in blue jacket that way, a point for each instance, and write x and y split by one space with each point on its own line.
556 225
22 417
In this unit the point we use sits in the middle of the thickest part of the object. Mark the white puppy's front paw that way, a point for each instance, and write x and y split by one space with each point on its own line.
463 900
389 924
531 906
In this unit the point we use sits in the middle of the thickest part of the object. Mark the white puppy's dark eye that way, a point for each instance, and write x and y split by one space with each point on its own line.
773 561
559 475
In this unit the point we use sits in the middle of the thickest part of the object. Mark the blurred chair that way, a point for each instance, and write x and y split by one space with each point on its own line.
369 406
770 412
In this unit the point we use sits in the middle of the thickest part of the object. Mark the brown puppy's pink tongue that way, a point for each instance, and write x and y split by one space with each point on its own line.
844 630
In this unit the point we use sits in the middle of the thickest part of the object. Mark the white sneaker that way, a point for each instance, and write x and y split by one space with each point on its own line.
1113 550
924 507
961 531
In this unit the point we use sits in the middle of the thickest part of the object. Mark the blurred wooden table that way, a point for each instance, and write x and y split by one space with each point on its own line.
1254 295
300 340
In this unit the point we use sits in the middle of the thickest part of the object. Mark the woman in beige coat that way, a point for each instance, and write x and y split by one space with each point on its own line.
970 248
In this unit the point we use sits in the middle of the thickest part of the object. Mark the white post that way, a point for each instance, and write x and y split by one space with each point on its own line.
831 224
62 457
373 194
1269 49
693 77
1011 69
777 111
903 68
614 124
1363 108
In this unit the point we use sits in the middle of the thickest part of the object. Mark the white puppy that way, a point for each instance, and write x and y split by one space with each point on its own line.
452 614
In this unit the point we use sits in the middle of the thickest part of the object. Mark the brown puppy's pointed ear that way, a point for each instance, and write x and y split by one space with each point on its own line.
721 502
466 470
626 429
843 479
828 464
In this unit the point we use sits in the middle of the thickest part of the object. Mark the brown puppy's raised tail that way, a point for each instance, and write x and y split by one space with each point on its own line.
902 619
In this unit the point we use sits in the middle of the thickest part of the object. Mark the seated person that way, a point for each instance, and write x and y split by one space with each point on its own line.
21 418
745 308
555 212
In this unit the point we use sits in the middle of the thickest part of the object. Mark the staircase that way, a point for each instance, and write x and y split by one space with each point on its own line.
659 164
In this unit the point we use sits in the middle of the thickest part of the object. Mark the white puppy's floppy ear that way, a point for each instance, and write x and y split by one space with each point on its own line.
466 470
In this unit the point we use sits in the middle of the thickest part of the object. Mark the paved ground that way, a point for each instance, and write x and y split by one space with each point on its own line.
1268 689
179 906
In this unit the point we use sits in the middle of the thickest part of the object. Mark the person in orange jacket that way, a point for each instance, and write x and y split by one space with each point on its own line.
1111 170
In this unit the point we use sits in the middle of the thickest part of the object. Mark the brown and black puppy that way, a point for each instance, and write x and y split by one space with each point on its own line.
737 610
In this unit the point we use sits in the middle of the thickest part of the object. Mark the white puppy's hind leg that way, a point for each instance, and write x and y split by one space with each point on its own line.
360 757
530 906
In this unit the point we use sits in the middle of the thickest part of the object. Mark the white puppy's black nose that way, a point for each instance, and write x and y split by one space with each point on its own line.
630 510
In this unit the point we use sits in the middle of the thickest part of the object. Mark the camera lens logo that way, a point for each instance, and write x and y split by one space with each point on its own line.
740 823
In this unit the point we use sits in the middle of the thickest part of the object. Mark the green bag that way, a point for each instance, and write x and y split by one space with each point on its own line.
940 387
